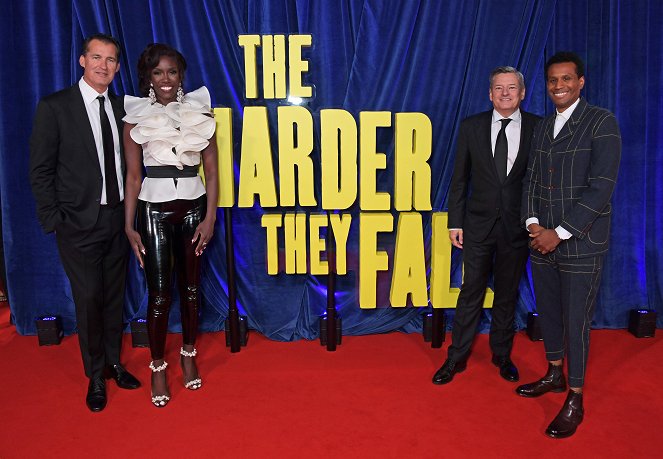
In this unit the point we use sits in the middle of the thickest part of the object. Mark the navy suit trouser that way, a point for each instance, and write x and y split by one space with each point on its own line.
565 292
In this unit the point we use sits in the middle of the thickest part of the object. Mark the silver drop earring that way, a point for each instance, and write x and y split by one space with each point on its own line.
151 95
180 94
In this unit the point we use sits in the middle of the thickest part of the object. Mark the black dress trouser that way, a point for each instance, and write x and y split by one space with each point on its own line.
96 265
496 254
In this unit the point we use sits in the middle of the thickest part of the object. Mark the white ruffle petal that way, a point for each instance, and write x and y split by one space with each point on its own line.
200 97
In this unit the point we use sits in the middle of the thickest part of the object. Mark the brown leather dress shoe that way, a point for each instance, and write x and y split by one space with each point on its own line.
446 373
553 381
569 418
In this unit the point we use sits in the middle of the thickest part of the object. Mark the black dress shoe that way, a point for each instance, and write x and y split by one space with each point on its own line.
553 381
507 369
96 394
122 377
569 418
446 373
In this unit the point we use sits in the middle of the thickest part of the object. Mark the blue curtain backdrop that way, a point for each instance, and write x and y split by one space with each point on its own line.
417 55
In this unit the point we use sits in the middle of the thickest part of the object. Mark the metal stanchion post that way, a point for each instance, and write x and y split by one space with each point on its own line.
331 291
233 313
437 328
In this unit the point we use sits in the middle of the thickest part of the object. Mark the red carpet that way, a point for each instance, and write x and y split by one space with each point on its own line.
371 398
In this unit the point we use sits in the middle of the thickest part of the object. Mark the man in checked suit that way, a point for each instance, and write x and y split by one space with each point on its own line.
566 208
76 172
484 220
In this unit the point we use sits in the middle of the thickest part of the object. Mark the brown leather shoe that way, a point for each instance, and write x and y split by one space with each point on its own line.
553 381
569 418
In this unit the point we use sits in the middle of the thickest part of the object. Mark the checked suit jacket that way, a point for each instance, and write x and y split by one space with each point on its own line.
570 178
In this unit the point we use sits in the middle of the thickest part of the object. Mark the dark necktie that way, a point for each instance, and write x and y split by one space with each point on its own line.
112 190
501 150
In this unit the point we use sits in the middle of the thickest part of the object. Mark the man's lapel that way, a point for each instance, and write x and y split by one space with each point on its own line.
486 144
117 102
79 114
570 126
526 128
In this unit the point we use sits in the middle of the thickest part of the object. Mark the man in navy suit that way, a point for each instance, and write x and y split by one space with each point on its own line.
566 208
76 172
484 220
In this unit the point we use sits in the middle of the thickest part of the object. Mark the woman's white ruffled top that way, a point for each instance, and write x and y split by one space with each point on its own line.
171 135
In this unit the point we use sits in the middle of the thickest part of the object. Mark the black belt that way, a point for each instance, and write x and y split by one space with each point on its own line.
171 171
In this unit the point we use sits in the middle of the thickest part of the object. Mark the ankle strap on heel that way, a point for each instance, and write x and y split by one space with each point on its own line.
159 368
188 354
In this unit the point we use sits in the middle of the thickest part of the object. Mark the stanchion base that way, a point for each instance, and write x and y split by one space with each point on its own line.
429 326
243 331
323 330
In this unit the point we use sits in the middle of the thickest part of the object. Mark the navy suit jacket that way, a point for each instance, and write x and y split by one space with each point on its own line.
570 179
64 165
477 198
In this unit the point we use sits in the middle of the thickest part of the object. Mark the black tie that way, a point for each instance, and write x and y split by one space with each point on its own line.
501 150
112 190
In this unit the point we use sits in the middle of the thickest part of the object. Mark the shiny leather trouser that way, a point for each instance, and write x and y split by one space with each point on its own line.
166 229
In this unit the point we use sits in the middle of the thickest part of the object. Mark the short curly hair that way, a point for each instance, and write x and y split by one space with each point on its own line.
565 56
150 58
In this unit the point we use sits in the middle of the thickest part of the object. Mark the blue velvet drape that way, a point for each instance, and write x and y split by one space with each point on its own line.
417 55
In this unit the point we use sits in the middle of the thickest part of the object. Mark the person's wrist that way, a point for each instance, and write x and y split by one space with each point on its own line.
557 238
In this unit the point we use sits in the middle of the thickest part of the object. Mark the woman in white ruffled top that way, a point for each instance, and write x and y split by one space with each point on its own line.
169 132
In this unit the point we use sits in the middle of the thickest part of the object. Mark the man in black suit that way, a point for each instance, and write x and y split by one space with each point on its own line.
484 220
76 172
566 208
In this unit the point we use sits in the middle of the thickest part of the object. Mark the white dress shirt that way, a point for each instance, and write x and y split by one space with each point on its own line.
562 118
92 107
512 132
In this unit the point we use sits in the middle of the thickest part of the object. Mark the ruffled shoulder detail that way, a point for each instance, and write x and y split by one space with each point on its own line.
199 97
135 108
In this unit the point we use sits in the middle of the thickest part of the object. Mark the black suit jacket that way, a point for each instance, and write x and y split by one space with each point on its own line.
570 178
477 198
64 167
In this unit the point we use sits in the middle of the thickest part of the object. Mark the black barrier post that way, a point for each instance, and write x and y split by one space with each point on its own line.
233 313
331 290
437 328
